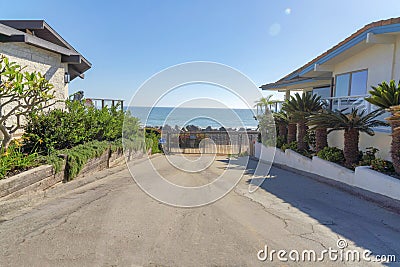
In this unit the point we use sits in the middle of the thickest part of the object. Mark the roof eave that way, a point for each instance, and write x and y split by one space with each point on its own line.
68 55
297 84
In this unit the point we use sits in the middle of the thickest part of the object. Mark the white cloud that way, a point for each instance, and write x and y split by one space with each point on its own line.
288 11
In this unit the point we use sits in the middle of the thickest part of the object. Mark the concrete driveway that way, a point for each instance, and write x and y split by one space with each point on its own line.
112 222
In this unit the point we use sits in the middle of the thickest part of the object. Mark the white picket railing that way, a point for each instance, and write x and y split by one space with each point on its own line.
342 102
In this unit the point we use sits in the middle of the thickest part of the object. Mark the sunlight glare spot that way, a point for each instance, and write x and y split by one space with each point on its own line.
274 29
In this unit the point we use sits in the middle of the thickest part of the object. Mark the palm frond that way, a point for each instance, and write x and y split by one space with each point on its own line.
385 95
344 119
301 106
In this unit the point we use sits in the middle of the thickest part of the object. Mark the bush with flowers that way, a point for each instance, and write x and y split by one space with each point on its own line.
14 160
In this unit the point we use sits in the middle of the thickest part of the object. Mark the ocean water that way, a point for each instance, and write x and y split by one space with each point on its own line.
202 117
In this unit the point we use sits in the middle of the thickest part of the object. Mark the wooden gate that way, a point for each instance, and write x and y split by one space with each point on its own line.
210 142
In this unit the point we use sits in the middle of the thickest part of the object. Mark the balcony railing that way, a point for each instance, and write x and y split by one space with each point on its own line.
97 102
342 102
358 102
103 102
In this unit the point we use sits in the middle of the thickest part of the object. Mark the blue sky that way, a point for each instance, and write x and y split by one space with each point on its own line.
129 41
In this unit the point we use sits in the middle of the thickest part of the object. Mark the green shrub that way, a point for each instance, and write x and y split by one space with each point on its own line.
280 141
332 154
79 155
152 136
14 160
368 156
381 165
55 160
133 135
292 146
116 145
65 128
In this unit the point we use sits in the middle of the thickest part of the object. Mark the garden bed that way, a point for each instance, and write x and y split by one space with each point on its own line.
45 176
363 177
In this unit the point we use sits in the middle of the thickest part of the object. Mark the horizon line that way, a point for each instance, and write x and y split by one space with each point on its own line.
188 107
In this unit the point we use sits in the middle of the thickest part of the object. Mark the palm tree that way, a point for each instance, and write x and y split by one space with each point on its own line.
321 133
321 138
262 104
394 121
300 107
386 96
266 125
282 121
292 131
352 123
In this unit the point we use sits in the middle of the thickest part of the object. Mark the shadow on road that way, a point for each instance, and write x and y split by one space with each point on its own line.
360 221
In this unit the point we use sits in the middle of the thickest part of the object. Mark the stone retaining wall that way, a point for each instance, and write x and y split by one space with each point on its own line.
43 177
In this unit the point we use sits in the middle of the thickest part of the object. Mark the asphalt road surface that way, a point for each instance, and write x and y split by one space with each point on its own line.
112 222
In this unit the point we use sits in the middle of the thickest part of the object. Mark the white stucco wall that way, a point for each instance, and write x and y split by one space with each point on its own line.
380 140
37 59
383 64
396 67
40 60
363 176
378 59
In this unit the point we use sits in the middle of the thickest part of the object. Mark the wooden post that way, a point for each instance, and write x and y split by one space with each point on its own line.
240 144
287 94
168 143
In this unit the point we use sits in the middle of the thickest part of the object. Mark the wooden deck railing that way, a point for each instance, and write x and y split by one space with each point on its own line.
103 102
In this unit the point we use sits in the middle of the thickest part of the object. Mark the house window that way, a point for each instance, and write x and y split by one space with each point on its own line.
323 92
351 84
359 83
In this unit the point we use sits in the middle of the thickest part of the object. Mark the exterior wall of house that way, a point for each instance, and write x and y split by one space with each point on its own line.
396 67
381 60
383 64
36 59
380 140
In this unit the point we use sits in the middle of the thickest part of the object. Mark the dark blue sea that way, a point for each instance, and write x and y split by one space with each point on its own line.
201 117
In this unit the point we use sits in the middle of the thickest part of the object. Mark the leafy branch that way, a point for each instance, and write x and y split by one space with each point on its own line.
24 93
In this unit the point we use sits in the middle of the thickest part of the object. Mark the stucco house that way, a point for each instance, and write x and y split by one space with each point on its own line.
34 44
343 74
